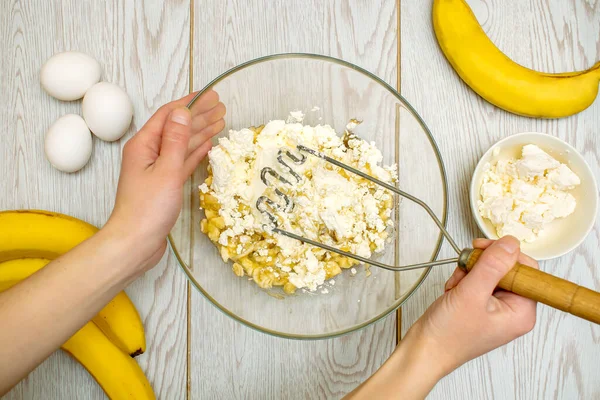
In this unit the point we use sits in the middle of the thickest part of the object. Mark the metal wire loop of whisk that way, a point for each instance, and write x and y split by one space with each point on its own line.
274 226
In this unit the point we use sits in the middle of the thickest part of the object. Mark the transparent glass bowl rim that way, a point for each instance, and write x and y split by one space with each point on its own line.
443 218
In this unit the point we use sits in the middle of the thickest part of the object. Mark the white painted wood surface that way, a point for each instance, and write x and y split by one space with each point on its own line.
560 358
144 45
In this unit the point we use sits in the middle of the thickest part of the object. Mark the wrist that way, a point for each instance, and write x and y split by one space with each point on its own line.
425 353
410 373
122 228
125 248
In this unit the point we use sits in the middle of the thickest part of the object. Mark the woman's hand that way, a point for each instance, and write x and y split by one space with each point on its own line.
156 163
468 320
472 317
60 298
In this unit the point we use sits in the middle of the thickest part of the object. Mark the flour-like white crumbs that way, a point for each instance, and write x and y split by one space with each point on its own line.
330 205
521 197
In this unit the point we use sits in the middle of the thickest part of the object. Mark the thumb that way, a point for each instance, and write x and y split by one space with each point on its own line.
175 138
493 264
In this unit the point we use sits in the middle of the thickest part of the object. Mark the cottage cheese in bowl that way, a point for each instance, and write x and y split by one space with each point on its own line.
537 188
521 197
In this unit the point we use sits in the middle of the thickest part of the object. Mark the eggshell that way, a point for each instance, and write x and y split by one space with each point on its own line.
67 76
107 110
68 143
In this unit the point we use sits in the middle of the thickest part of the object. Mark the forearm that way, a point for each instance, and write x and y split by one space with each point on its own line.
410 372
43 311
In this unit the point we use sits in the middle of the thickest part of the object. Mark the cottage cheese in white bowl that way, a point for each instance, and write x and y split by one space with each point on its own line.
537 188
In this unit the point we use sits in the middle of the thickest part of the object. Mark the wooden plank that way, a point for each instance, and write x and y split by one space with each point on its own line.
144 49
229 360
559 359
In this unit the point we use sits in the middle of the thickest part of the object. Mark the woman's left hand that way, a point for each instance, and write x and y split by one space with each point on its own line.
61 297
157 161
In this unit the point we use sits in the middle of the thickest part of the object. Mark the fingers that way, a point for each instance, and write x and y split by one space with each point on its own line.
158 120
201 120
523 258
525 308
526 260
482 243
175 138
495 262
456 277
207 110
207 101
515 301
200 145
148 139
458 273
191 163
205 134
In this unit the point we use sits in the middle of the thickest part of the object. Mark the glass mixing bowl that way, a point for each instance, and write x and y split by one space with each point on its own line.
328 91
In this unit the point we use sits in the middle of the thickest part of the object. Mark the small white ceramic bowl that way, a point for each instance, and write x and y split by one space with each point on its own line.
561 235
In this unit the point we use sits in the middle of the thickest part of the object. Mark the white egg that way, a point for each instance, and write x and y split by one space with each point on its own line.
107 111
67 76
68 143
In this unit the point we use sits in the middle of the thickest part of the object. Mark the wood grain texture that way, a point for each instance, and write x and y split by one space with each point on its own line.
559 359
143 47
229 360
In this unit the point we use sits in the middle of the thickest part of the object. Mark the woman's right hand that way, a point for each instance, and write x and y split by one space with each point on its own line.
472 317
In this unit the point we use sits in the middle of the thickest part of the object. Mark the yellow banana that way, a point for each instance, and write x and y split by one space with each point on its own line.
42 234
118 374
115 371
501 81
14 271
121 323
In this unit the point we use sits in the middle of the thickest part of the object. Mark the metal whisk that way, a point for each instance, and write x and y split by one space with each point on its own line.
523 280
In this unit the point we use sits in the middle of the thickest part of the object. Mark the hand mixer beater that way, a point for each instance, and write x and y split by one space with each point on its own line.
522 279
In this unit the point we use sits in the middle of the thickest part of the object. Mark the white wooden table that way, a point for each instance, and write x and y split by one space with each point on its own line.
158 50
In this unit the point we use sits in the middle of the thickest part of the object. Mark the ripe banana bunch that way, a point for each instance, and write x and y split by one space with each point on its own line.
104 346
501 81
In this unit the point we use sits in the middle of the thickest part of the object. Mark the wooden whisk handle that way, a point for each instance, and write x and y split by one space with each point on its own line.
544 288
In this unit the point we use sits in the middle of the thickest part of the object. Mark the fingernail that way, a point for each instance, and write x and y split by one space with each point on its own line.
181 116
509 244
